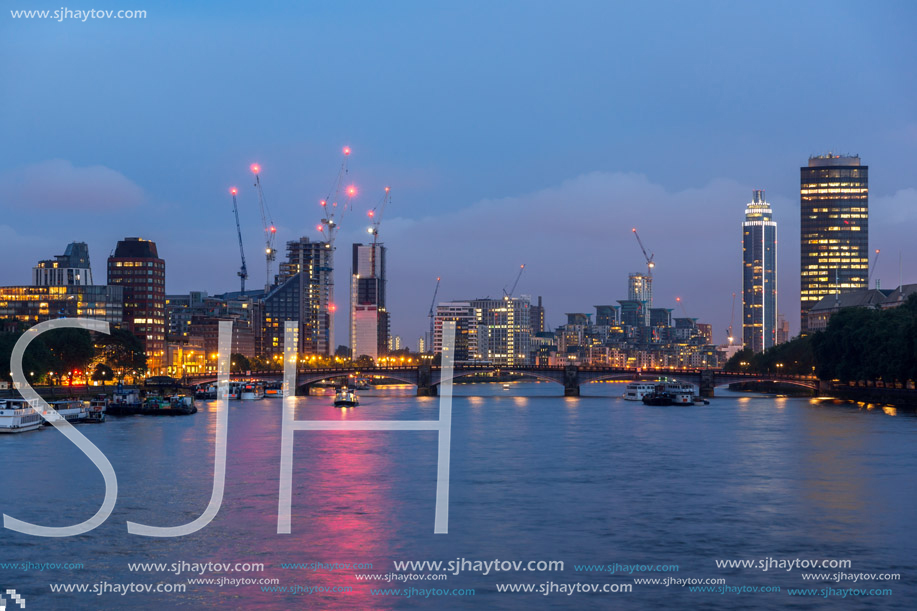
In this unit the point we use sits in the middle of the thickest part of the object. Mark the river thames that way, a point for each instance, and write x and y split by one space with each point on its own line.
593 480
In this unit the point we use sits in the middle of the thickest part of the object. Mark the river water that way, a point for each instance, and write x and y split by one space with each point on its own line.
593 480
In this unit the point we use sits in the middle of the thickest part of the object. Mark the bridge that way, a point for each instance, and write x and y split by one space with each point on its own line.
427 378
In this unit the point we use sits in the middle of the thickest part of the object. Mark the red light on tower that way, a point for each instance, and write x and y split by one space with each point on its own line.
371 214
323 203
273 229
351 191
346 150
387 189
256 169
320 227
233 190
332 307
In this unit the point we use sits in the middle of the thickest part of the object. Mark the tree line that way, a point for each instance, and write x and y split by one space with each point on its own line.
858 344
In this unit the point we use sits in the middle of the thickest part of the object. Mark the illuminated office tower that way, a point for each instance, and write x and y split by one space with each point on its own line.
759 275
369 320
834 230
640 288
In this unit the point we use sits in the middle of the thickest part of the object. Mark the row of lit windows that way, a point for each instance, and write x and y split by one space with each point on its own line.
154 264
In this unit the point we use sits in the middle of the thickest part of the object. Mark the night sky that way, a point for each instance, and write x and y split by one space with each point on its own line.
509 132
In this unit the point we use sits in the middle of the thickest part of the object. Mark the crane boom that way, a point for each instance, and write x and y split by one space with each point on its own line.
650 264
270 231
431 315
243 271
509 295
374 228
872 269
732 320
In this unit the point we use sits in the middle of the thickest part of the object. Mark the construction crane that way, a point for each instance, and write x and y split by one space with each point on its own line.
873 269
683 310
376 218
243 271
270 232
509 295
732 320
650 264
431 315
329 226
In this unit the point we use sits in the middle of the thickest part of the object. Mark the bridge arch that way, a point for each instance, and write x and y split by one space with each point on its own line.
810 384
551 376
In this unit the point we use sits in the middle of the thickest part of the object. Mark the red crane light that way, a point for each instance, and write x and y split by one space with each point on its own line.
346 150
273 229
371 214
351 191
255 168
320 227
233 190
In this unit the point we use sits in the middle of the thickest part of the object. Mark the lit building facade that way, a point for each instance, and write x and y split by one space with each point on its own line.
302 292
504 330
369 319
834 237
466 329
69 269
35 304
136 267
759 275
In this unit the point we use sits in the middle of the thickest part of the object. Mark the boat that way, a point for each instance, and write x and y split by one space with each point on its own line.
273 389
635 391
205 391
17 416
235 390
98 405
360 383
682 393
251 391
505 386
173 405
346 398
70 410
659 396
124 402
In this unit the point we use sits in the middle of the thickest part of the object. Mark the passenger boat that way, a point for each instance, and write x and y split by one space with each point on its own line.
69 410
98 405
682 394
273 389
251 391
124 402
360 384
16 416
345 398
658 397
635 391
174 405
205 391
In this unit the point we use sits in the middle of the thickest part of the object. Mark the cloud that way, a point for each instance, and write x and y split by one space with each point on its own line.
57 184
578 247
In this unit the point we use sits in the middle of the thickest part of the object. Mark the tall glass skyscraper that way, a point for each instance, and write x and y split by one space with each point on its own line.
369 321
834 202
759 275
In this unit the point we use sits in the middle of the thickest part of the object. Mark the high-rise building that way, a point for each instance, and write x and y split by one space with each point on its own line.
369 320
69 269
537 318
136 266
302 293
466 329
504 330
783 329
834 231
640 288
759 275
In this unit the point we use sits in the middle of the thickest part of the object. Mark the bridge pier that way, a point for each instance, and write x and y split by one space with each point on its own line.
707 383
571 381
425 386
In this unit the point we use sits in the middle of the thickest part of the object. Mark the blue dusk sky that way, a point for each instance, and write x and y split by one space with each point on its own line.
509 132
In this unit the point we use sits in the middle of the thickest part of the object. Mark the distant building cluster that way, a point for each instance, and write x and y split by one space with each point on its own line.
179 332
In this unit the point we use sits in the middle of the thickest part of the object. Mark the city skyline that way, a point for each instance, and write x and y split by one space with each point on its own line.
576 170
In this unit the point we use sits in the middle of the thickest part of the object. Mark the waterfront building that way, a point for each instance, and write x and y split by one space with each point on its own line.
640 288
606 315
504 330
759 275
34 304
302 292
369 319
466 329
69 269
136 267
834 229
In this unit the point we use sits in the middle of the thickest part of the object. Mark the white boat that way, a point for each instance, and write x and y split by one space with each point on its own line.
251 391
635 391
346 398
71 411
682 393
235 390
97 408
16 416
